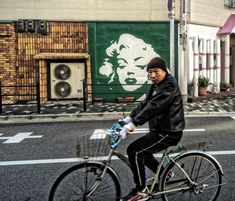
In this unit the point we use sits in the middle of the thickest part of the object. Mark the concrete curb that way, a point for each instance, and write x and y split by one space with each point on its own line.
209 114
89 117
60 117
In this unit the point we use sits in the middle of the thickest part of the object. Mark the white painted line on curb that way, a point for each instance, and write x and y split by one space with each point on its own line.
195 130
72 160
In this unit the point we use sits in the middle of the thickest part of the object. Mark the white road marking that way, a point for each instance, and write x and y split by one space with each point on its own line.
195 130
101 133
98 134
216 153
40 161
19 137
233 117
73 160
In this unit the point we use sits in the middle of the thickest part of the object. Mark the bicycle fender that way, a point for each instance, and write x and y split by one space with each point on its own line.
203 153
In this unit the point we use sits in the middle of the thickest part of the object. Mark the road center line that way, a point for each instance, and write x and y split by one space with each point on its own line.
74 160
101 133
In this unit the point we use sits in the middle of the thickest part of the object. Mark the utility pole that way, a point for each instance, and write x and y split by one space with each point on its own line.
171 15
183 71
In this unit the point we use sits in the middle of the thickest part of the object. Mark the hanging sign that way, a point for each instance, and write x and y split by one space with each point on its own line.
169 5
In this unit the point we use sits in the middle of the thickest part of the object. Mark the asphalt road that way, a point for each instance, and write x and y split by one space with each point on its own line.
33 155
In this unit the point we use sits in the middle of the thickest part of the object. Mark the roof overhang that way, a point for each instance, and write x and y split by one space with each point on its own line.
229 26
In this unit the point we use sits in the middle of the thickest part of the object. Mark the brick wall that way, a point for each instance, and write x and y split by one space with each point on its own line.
8 59
17 51
62 37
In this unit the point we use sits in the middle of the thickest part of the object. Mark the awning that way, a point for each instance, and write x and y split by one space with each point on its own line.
229 26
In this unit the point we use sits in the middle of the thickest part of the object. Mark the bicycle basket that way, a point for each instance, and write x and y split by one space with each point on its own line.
87 148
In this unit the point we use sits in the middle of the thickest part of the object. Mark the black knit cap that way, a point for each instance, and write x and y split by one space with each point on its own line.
157 62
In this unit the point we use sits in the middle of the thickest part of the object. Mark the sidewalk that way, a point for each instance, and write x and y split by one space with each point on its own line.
74 109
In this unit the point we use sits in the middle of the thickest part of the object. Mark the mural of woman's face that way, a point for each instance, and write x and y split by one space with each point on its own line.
131 72
134 54
128 57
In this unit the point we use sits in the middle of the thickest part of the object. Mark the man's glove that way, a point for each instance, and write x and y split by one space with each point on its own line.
125 121
127 129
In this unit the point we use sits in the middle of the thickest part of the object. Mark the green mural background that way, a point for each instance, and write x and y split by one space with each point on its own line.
102 34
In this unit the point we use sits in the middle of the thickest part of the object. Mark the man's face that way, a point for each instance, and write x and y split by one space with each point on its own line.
156 75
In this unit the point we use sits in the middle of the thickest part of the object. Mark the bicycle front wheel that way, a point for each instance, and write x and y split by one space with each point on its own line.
202 169
83 182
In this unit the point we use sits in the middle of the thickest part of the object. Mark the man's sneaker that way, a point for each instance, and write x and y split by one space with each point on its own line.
135 195
132 193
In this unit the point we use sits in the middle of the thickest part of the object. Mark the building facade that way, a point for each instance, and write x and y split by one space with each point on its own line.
210 47
108 43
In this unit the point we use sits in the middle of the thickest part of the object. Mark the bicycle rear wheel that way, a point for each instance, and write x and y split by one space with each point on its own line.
76 183
202 169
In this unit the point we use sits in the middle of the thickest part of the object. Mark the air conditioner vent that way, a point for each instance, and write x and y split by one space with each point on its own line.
62 72
63 89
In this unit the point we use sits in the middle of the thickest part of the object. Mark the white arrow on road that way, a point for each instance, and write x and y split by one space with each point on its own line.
18 137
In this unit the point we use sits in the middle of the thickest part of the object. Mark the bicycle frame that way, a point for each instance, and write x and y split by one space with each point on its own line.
106 165
165 157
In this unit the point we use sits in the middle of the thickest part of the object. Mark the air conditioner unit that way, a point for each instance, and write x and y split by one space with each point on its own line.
66 80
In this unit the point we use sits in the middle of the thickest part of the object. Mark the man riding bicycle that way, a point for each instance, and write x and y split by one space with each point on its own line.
163 110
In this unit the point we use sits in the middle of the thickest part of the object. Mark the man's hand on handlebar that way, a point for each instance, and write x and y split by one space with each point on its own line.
127 129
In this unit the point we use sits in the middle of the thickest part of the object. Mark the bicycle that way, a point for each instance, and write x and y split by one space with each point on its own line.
197 176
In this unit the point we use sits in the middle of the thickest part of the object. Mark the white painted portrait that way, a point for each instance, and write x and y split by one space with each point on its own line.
126 61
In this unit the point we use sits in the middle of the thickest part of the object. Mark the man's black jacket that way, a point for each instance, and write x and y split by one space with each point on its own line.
163 110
